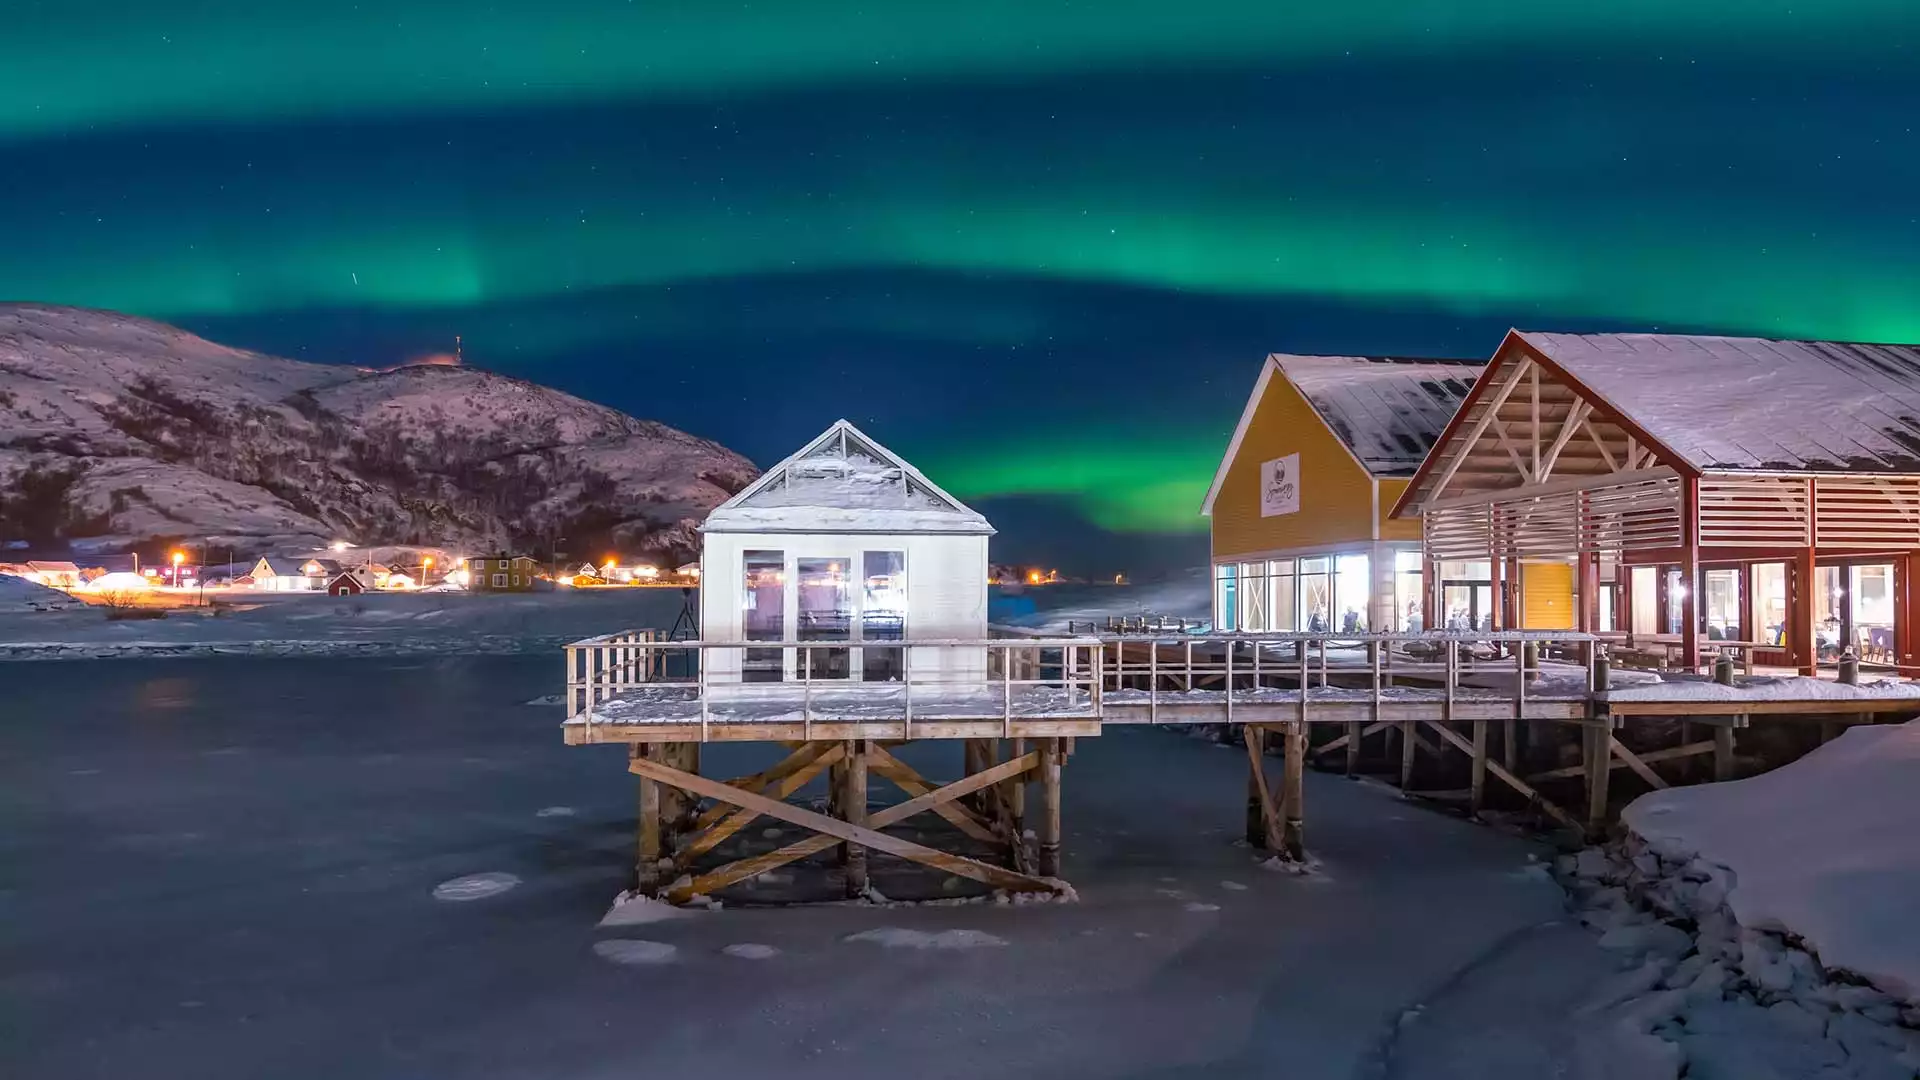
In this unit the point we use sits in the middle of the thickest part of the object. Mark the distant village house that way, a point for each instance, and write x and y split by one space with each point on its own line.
502 573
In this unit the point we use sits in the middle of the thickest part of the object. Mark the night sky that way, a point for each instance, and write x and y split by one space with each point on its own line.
1038 247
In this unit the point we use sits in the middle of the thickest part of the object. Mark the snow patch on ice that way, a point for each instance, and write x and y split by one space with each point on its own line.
632 909
1233 886
635 951
554 811
547 699
1199 907
894 937
474 886
751 951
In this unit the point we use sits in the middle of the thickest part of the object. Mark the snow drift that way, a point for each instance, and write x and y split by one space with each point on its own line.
1823 849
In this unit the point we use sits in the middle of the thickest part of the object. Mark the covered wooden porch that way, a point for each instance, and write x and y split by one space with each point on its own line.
1750 534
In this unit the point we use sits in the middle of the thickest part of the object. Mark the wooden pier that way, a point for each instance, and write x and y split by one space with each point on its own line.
1532 722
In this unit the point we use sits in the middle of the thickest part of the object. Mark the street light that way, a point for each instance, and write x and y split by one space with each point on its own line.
426 563
178 558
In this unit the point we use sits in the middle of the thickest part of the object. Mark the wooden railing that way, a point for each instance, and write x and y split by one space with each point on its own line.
1249 667
602 668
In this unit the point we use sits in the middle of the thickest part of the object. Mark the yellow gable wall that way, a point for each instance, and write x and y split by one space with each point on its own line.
1393 528
1336 494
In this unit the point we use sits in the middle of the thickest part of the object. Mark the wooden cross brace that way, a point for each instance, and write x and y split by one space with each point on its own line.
832 830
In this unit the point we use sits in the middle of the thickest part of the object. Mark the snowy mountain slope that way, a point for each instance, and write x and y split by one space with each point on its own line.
115 429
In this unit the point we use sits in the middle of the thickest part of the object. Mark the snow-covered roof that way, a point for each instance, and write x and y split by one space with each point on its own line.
1753 404
844 482
1388 411
54 567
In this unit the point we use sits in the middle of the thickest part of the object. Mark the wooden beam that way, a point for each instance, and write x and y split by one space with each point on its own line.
1635 763
1535 440
833 831
1479 427
785 767
741 817
1512 781
902 776
1477 784
1293 792
1574 420
1567 772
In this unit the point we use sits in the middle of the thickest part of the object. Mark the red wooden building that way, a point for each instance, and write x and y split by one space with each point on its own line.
1711 488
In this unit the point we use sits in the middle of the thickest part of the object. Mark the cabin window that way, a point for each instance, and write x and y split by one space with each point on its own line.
825 614
1646 600
1353 592
1768 594
1253 596
763 613
1870 611
1723 605
1283 601
1224 609
1409 588
883 614
1316 595
499 581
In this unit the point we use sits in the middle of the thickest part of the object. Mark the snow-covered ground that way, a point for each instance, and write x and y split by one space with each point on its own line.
306 624
1771 922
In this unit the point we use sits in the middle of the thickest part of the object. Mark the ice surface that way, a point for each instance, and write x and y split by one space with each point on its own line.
894 937
1824 848
632 951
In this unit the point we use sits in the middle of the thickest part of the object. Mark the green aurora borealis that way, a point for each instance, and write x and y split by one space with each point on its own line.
1039 247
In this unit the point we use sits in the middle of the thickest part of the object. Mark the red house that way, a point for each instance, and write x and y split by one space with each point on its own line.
347 583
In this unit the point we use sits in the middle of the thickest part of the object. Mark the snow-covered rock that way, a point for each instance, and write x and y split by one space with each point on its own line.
119 429
1822 849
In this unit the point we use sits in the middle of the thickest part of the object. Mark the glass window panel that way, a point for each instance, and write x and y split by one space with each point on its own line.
1282 606
1253 596
1829 595
1407 561
1224 612
764 611
825 613
1768 608
1607 597
1315 591
1353 591
1646 599
883 614
1481 570
1871 608
1723 605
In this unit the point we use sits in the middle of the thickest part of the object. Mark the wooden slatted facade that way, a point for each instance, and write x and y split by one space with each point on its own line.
1538 465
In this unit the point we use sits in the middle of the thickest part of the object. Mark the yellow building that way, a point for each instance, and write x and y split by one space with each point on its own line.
1300 506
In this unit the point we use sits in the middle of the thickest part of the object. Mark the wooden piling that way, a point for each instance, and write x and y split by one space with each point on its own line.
1723 751
853 804
1293 840
1597 755
1477 788
647 861
1256 738
1354 728
1050 807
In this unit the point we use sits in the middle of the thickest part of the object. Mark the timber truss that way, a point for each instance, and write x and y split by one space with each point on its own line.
685 816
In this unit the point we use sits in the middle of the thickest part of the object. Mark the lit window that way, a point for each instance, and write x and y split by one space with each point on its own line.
499 581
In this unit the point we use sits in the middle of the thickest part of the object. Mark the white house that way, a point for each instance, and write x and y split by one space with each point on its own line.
277 574
846 545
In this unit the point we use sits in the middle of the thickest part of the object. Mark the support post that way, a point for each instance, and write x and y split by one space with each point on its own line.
1293 841
1722 752
1256 738
647 859
1407 747
1478 785
1800 635
1690 573
1050 808
1598 756
853 804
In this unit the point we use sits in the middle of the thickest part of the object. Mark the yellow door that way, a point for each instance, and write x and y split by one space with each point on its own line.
1546 596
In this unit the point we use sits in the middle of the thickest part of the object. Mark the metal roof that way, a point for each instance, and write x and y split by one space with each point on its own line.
1753 404
1389 411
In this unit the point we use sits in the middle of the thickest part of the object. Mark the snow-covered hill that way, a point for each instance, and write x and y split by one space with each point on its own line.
115 429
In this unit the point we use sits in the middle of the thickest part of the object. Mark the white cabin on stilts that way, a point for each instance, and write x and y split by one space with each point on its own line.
846 545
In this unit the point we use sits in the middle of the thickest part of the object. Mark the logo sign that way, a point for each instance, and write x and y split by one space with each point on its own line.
1280 486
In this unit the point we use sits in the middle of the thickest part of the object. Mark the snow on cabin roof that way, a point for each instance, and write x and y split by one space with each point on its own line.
841 482
1755 404
1387 410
